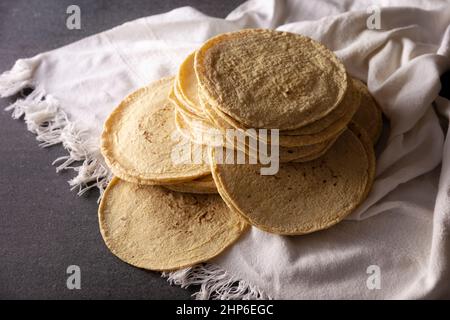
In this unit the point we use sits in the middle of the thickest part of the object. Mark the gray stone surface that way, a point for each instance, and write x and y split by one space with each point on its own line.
44 227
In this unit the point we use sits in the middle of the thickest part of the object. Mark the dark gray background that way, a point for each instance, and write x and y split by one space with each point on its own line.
44 227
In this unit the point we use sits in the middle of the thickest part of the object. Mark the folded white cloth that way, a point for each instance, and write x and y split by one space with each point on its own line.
396 245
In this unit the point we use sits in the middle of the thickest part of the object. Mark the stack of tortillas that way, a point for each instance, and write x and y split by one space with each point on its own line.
173 204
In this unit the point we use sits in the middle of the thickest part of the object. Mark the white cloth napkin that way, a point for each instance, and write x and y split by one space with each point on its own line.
396 245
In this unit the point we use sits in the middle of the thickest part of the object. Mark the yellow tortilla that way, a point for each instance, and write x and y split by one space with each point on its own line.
270 79
302 197
154 228
139 139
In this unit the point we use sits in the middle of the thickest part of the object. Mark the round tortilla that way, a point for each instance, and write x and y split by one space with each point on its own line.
302 197
154 228
187 85
368 116
306 137
139 139
270 79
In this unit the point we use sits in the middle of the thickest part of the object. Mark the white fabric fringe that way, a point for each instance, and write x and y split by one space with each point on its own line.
44 117
215 283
